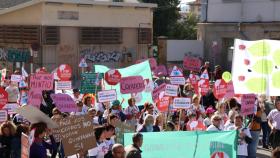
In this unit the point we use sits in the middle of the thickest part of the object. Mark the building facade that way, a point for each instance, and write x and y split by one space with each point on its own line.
53 32
230 19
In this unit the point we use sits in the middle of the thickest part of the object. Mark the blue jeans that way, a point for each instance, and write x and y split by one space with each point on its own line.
252 147
266 131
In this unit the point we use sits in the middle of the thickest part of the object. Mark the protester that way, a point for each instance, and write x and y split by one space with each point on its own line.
100 151
133 151
131 112
39 145
47 102
216 123
230 122
16 141
148 125
193 124
188 91
113 119
117 152
76 95
79 109
170 126
92 114
13 92
206 66
148 109
218 72
274 124
87 104
56 114
199 109
276 153
7 132
209 113
110 130
221 111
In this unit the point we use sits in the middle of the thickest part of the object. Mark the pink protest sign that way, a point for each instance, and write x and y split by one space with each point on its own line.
160 71
132 84
157 91
220 88
230 91
34 97
203 86
64 102
247 104
41 81
192 63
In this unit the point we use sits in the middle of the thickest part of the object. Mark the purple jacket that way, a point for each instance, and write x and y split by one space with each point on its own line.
39 148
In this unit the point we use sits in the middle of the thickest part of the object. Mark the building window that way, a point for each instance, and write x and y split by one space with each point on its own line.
144 36
19 34
98 35
51 35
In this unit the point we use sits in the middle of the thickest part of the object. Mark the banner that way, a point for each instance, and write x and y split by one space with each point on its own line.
178 80
121 129
107 96
41 81
34 98
157 91
142 69
64 102
181 103
132 84
255 67
192 63
196 144
63 85
91 82
76 133
248 104
171 90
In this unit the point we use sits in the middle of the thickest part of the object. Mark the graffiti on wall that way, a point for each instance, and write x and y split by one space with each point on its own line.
101 56
14 54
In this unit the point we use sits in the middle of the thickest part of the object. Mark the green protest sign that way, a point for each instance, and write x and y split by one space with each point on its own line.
185 144
91 82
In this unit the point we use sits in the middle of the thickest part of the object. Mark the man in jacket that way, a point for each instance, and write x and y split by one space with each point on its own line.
133 151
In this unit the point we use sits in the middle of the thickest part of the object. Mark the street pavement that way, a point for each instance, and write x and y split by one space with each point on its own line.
263 153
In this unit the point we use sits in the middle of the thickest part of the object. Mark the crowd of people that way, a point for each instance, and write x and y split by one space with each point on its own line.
206 114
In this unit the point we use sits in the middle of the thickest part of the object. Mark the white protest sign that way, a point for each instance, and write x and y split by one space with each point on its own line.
107 96
171 90
83 63
3 115
16 78
178 80
11 107
181 103
63 85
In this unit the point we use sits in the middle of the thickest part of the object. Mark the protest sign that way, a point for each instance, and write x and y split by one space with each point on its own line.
76 133
203 86
25 146
91 82
63 85
41 81
23 97
193 79
160 71
171 90
34 115
142 69
247 104
132 84
3 116
107 96
157 91
176 72
185 144
11 107
64 102
22 84
220 88
16 78
255 67
64 72
152 62
122 128
178 80
192 63
220 150
113 77
83 63
181 103
162 104
230 91
3 98
34 98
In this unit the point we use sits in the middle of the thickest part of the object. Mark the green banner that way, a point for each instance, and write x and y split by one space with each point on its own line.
142 69
91 82
184 144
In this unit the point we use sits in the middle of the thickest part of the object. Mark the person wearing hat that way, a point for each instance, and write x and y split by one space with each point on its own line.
216 123
193 124
116 109
209 113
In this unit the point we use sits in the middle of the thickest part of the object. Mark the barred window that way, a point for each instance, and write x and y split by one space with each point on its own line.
51 35
98 35
144 36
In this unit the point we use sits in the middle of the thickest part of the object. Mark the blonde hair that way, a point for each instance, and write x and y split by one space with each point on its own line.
10 125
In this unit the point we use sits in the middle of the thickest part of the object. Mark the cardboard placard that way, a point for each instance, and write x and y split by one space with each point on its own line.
192 63
178 80
91 82
76 133
122 128
171 90
220 88
64 102
181 103
3 98
107 96
157 91
25 146
3 115
63 85
132 84
34 97
16 78
247 104
40 81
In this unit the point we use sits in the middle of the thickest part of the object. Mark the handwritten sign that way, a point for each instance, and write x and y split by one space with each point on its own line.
25 146
192 63
220 88
122 128
91 82
157 91
64 72
107 96
163 104
76 134
11 107
63 85
181 103
3 98
178 80
171 90
64 102
16 78
41 81
203 86
247 104
132 84
34 97
3 115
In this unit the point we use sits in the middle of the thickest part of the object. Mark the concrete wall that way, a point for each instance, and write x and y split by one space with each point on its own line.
243 10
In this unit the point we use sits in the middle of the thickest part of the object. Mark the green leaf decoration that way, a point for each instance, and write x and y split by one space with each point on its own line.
263 66
276 57
276 79
260 49
256 85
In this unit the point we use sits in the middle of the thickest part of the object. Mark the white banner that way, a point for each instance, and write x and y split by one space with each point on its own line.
171 90
11 107
63 85
107 96
3 115
178 80
16 78
181 103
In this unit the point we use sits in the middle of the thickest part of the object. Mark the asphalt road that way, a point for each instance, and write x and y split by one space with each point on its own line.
263 153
